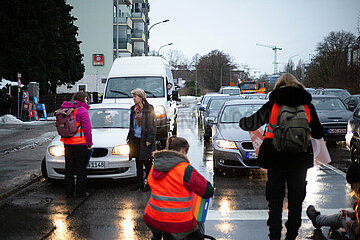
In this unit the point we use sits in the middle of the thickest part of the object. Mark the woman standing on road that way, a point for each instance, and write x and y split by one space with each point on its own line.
284 167
172 179
77 147
141 136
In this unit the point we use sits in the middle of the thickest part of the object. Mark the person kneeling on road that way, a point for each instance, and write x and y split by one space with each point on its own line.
344 219
172 179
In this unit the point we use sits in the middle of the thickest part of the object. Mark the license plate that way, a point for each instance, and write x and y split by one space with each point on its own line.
335 130
96 165
250 155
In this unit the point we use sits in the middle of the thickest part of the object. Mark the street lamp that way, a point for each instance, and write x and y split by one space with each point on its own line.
158 52
148 35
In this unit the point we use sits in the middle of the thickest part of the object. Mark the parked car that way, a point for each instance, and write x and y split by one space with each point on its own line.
352 101
233 91
341 93
353 136
232 146
110 157
255 96
310 90
333 115
211 111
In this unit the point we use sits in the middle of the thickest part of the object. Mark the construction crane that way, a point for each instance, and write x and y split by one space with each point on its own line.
275 48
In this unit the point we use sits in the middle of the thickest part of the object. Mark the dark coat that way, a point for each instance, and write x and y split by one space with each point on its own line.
269 157
148 131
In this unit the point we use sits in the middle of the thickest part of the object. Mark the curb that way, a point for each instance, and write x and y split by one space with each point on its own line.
15 190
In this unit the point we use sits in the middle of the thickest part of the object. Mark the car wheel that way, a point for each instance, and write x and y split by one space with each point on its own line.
354 153
44 172
216 170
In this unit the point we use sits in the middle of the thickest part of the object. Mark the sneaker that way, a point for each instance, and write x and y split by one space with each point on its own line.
312 214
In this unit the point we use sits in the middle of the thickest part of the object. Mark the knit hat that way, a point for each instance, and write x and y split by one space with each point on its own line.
353 173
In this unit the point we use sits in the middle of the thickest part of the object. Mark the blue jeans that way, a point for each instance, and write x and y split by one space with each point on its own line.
275 192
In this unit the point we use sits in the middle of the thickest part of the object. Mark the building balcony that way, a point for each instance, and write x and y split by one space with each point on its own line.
137 36
125 45
138 53
138 16
124 21
127 2
139 1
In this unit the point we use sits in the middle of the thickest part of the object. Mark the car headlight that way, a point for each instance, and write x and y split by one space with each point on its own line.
226 144
160 111
121 150
57 151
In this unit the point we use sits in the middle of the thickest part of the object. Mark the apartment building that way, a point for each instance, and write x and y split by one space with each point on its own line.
107 29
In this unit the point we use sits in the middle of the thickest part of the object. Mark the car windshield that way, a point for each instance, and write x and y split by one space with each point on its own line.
216 104
232 91
340 94
328 104
249 86
109 118
233 113
121 87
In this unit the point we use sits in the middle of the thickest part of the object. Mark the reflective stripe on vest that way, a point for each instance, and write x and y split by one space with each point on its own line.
273 118
79 137
170 201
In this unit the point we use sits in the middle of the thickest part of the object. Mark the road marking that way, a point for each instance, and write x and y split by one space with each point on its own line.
249 215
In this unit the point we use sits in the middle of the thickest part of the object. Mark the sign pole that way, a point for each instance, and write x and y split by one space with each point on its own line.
19 88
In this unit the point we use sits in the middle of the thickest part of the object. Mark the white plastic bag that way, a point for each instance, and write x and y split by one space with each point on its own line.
321 153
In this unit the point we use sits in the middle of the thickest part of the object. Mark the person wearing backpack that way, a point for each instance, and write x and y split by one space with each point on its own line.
78 146
286 156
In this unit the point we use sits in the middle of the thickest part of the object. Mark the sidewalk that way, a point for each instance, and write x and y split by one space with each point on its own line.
22 148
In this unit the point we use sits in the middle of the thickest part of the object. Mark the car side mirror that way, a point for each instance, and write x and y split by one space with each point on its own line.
211 120
175 95
351 107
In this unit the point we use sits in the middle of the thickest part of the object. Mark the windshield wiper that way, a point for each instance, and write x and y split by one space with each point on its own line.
153 95
123 93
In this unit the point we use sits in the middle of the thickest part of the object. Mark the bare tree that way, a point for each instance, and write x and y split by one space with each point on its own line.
175 58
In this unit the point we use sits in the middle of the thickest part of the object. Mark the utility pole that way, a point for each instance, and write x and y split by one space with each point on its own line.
274 48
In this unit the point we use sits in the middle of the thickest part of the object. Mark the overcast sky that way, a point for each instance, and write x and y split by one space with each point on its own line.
236 26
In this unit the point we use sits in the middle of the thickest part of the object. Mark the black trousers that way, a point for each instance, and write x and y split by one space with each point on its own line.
197 235
140 163
76 157
275 193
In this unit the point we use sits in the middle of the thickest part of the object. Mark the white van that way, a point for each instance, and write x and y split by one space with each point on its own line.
152 74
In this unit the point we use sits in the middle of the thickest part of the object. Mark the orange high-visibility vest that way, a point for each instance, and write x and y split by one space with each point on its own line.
78 138
273 118
170 201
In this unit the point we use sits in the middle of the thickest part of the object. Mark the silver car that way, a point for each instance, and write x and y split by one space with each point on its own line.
232 146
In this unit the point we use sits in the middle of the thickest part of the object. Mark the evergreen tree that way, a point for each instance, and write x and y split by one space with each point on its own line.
38 39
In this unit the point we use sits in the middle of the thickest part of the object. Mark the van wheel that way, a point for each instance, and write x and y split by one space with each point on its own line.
354 153
44 172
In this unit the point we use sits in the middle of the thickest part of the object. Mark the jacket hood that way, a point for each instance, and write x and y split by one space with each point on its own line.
165 160
74 104
290 96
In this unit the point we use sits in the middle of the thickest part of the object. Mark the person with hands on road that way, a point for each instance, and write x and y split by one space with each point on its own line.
348 220
141 136
77 148
172 180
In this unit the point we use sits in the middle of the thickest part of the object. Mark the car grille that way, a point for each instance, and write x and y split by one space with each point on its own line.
97 171
247 145
99 152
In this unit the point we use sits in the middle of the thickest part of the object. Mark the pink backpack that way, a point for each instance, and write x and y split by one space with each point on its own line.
65 122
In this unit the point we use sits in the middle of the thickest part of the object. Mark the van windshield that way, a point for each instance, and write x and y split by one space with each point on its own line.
121 87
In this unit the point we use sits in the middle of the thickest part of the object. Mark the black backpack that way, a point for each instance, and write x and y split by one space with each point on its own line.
292 130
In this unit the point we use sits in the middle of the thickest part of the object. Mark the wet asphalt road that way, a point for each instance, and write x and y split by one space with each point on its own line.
237 211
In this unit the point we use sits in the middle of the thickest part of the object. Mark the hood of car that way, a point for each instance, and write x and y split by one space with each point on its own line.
232 132
326 116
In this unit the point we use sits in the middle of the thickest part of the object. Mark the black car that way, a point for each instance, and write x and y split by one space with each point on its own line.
340 92
333 115
352 101
353 136
211 112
